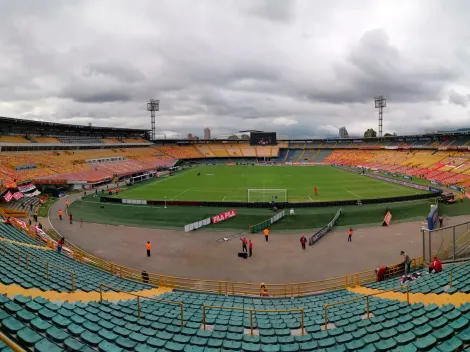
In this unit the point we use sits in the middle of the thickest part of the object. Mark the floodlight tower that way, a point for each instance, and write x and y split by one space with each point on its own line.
380 103
152 106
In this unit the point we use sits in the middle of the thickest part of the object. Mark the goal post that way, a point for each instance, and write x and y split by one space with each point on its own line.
264 195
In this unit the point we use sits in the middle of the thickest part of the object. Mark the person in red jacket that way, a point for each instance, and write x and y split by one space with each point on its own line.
250 247
303 240
435 266
244 242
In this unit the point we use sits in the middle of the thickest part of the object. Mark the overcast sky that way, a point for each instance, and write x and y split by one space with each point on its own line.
301 68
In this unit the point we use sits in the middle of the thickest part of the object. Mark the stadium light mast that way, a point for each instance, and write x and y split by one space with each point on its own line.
380 103
152 106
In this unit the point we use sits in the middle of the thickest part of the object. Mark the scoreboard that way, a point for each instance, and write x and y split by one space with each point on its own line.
263 138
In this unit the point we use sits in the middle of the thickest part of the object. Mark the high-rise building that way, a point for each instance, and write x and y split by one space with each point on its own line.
207 133
343 132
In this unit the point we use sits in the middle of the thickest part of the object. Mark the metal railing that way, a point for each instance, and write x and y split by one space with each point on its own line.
295 289
72 274
251 310
10 343
451 272
47 264
326 306
144 297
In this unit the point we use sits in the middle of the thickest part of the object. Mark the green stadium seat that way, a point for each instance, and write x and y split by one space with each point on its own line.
45 345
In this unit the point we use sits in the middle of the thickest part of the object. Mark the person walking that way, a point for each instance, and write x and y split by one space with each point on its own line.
303 241
60 214
441 220
266 234
244 242
71 218
250 247
407 261
149 247
350 233
35 216
67 203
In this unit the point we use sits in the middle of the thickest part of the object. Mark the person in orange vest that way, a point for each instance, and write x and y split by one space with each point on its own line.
315 190
60 214
350 232
303 240
250 247
266 234
149 247
67 203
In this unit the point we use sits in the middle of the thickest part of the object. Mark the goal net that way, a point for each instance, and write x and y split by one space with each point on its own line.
267 195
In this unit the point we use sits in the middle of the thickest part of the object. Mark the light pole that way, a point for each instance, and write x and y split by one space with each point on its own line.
165 202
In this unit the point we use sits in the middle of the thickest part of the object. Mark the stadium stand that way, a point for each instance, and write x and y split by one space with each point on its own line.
13 139
181 151
180 323
44 140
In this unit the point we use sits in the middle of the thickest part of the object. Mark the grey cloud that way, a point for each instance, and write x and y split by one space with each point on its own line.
458 99
120 71
219 65
272 10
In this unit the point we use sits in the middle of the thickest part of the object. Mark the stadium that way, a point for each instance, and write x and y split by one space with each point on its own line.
112 241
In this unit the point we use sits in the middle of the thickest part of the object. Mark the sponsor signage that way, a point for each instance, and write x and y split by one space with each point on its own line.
387 219
316 237
394 175
401 182
435 190
386 173
26 188
406 177
457 188
224 216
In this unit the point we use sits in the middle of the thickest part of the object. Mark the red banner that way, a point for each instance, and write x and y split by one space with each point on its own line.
224 216
17 195
8 196
387 219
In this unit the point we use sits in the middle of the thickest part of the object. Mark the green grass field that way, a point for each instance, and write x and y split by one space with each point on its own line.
231 183
175 217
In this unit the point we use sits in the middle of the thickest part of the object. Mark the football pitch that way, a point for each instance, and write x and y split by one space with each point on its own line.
232 183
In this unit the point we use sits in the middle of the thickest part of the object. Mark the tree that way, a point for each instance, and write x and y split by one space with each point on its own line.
370 133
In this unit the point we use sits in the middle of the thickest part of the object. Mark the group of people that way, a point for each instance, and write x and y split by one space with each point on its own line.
245 244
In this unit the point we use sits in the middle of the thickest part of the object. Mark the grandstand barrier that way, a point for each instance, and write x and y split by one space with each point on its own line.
287 205
268 222
326 306
316 237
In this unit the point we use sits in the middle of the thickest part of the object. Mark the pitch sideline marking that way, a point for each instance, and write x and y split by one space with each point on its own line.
310 198
224 198
180 194
355 194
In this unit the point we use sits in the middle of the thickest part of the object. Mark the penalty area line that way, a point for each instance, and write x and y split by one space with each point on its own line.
310 199
224 198
180 194
355 194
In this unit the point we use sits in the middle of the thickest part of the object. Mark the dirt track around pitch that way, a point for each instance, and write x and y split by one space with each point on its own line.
199 254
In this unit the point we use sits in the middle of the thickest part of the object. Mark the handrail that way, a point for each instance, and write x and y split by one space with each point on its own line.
326 306
10 343
138 300
455 267
251 310
72 274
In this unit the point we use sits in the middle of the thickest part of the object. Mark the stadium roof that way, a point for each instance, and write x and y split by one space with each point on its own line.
83 128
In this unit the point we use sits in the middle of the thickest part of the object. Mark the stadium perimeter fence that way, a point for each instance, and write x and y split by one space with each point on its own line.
450 243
